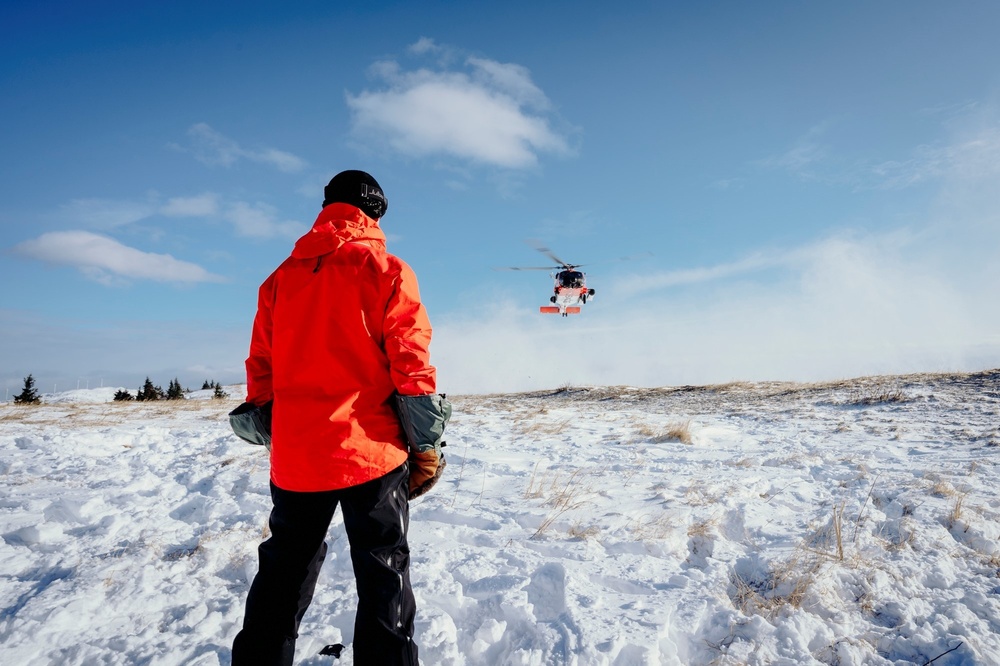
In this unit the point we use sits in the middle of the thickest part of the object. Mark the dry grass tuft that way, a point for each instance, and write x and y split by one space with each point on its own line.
876 394
675 432
957 511
943 489
907 535
786 584
654 528
578 531
702 528
698 494
559 495
532 426
828 540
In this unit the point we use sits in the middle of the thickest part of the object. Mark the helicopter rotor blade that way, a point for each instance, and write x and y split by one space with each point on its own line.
551 255
540 246
528 268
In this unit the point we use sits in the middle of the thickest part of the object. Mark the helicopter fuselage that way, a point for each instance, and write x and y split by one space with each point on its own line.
570 292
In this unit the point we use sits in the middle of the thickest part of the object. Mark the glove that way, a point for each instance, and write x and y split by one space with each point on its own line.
423 418
252 423
425 470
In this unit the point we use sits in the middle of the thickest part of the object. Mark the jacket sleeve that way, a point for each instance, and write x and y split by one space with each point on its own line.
407 333
260 387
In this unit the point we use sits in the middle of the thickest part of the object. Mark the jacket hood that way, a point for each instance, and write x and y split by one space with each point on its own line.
337 224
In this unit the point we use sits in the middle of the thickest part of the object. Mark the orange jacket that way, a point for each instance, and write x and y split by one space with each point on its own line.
339 329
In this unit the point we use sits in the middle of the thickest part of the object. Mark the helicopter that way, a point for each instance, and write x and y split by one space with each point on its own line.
570 291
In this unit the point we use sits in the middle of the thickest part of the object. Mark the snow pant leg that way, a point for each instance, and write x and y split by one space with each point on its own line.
376 516
281 591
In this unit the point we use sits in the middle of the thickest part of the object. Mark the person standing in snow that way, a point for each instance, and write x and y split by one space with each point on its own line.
340 345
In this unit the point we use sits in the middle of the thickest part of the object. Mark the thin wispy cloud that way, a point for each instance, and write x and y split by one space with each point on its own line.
974 156
250 220
99 213
634 284
260 220
802 158
107 214
484 111
108 261
213 148
203 205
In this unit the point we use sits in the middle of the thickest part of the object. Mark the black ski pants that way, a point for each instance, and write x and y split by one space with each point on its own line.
376 518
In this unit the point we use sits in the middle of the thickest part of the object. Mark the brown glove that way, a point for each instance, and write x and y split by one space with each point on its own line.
425 470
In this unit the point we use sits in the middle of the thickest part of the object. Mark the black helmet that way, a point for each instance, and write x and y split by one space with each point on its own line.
358 189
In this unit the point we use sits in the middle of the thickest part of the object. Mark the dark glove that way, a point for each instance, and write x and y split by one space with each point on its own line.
424 418
425 470
252 423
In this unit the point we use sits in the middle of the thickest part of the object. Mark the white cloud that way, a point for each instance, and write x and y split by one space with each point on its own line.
215 149
423 46
104 259
260 220
490 113
509 79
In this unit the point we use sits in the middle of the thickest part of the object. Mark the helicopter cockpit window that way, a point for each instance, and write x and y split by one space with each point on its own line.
571 279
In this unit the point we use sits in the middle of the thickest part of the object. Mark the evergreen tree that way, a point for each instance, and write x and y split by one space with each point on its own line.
206 385
29 395
123 395
174 390
219 393
150 392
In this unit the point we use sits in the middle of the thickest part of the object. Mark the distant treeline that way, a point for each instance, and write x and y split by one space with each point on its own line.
29 394
150 391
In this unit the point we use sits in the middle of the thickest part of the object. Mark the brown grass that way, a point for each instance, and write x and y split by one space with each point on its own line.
785 584
943 489
674 432
957 511
654 528
112 413
561 496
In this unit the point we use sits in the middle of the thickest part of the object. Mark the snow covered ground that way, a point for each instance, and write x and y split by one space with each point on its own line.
847 523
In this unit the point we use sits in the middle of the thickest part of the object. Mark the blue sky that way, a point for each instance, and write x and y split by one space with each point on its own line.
816 185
